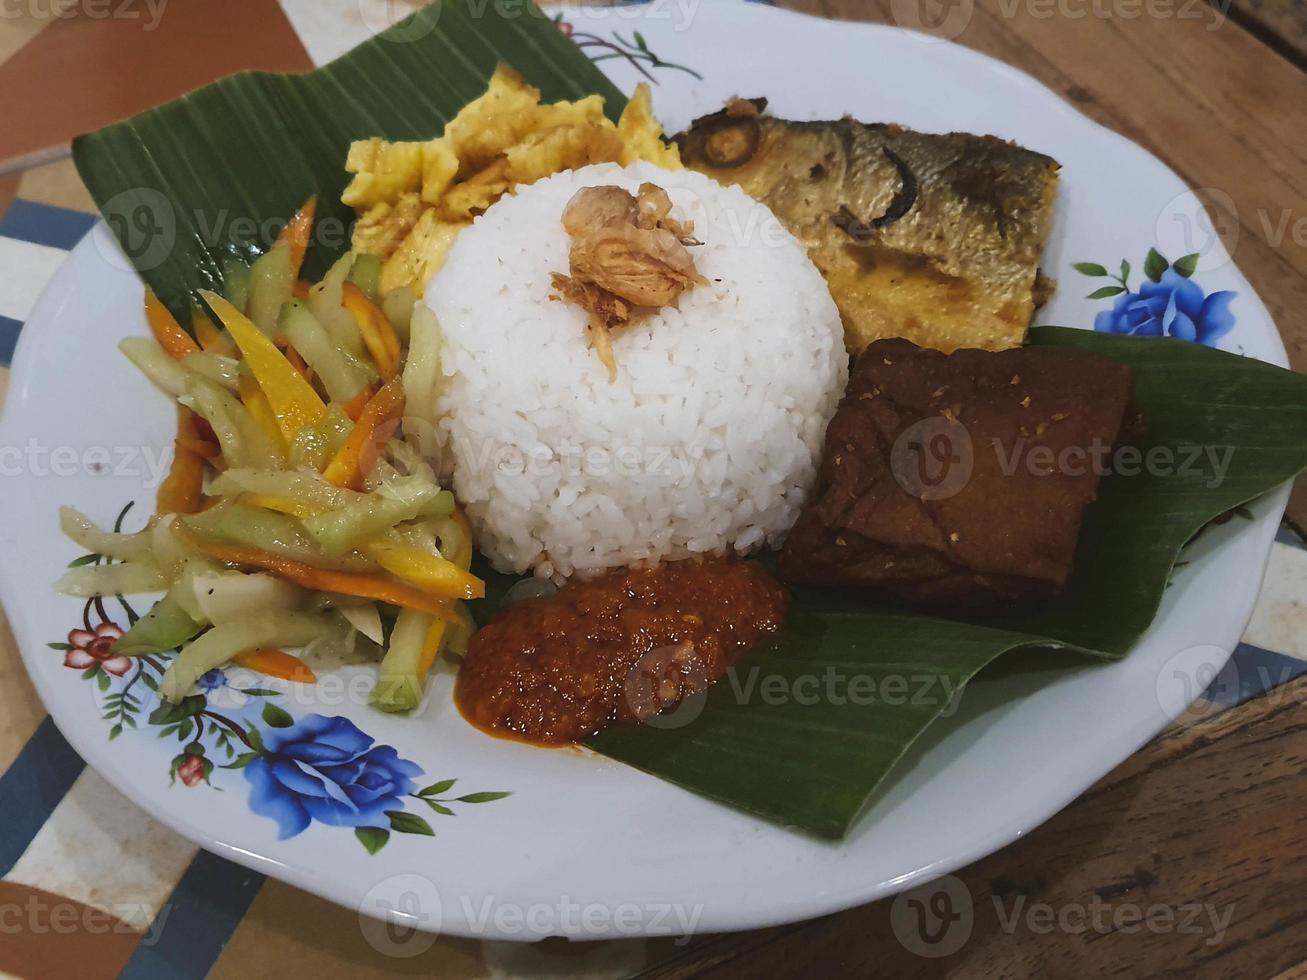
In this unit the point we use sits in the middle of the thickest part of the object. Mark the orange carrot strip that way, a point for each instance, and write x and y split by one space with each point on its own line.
300 290
463 559
167 331
378 335
325 580
354 407
348 467
200 447
212 340
292 355
277 663
182 490
297 231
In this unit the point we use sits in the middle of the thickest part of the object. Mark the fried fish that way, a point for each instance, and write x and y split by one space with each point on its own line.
933 238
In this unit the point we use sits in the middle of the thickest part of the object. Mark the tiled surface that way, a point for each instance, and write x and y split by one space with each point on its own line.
176 912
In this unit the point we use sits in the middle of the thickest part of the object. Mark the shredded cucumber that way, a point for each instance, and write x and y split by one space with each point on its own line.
225 371
153 362
364 617
243 442
405 499
220 644
366 274
342 374
399 688
236 283
126 578
308 488
325 305
165 627
169 551
226 597
263 530
271 286
398 305
123 547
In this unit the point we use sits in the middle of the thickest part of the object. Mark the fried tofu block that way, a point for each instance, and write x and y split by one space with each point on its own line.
960 480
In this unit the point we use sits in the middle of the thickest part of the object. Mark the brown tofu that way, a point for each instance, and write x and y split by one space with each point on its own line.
960 480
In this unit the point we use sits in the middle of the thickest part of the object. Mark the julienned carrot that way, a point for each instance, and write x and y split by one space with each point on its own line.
463 558
182 490
354 407
212 340
292 355
348 467
378 335
277 663
200 447
167 331
300 289
323 579
296 234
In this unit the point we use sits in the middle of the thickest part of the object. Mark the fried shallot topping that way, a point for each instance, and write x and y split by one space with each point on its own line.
738 108
628 255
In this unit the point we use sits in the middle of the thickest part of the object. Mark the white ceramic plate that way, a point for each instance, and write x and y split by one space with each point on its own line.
585 846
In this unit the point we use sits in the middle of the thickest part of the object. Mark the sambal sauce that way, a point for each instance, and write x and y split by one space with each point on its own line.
615 650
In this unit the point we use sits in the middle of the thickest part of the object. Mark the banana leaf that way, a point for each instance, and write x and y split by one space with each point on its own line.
816 766
213 176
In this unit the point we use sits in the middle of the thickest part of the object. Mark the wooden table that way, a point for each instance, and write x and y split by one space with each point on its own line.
1190 858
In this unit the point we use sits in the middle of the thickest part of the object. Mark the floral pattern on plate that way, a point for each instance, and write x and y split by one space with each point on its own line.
1168 303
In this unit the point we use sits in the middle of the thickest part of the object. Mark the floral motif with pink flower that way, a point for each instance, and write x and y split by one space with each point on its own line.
91 648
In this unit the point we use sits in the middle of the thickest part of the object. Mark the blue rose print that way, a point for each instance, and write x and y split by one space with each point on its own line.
326 769
1168 303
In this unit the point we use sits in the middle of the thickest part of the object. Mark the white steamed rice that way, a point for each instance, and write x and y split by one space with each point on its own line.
710 436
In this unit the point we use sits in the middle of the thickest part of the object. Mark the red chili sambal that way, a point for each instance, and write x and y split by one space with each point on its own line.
615 650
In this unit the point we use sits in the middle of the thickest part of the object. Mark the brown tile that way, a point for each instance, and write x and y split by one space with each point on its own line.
58 184
81 73
48 935
8 191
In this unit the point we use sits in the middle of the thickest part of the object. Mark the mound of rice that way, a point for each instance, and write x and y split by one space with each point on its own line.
710 436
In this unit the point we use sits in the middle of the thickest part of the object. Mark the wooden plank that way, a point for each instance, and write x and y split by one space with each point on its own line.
1280 24
1204 833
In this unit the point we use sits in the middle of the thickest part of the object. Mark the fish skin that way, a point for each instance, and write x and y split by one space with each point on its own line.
934 238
